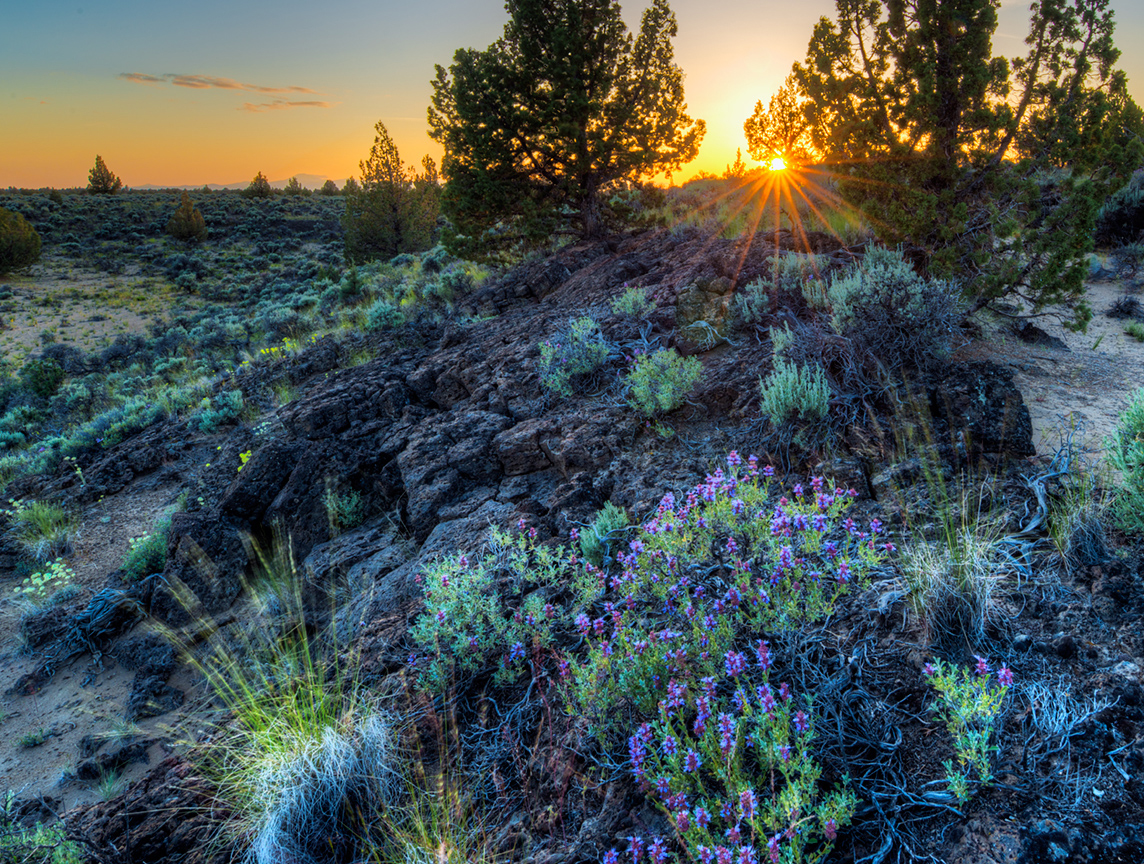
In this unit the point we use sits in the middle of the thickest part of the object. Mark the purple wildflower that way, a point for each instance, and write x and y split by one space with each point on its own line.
692 762
611 857
747 803
801 722
734 663
982 667
1005 676
635 848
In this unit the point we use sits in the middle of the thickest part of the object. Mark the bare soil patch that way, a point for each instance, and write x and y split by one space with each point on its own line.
58 301
1088 382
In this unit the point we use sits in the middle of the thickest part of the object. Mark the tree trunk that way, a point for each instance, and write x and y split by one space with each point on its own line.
591 223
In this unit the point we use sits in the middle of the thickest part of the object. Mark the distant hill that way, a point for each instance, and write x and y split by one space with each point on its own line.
309 181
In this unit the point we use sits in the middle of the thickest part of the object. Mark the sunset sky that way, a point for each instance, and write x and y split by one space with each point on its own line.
213 92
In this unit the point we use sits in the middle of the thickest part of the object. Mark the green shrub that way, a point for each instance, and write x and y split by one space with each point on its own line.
43 583
259 187
43 377
1126 454
789 277
224 408
187 223
19 242
345 511
968 706
599 540
41 844
660 381
465 627
383 314
1121 219
579 350
898 316
633 303
147 554
792 393
1136 330
329 189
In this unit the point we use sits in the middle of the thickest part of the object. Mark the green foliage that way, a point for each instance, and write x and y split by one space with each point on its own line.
19 242
187 223
968 706
100 180
295 189
465 627
1135 329
147 554
777 582
600 539
42 584
540 128
41 844
34 739
305 760
43 529
1126 455
789 277
1121 217
393 209
383 313
344 510
579 350
329 189
760 744
633 303
659 382
42 376
958 153
226 407
901 318
259 187
793 393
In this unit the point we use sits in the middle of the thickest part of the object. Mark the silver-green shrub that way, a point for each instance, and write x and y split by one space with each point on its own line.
660 381
793 392
601 537
1126 453
579 350
901 318
788 275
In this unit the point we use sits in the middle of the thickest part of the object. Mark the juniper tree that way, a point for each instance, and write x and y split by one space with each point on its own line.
993 168
563 109
187 222
394 208
100 180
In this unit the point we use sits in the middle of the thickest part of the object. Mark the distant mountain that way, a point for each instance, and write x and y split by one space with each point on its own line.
309 181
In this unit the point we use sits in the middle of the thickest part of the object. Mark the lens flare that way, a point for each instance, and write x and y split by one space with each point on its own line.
778 163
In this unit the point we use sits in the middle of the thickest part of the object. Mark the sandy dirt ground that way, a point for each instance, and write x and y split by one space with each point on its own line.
1089 381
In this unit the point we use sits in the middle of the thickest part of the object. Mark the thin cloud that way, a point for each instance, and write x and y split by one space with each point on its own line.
282 104
207 82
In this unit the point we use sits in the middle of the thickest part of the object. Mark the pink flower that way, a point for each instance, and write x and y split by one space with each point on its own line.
1005 676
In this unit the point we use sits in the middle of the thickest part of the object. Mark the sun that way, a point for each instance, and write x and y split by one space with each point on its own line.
778 163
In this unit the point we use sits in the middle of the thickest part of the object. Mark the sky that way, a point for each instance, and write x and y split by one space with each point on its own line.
174 94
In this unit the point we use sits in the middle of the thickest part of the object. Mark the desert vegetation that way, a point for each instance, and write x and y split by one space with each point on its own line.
530 511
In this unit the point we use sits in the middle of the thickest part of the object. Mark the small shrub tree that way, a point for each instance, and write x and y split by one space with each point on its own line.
100 180
580 350
187 223
660 382
1126 453
19 242
329 189
259 187
393 209
295 189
